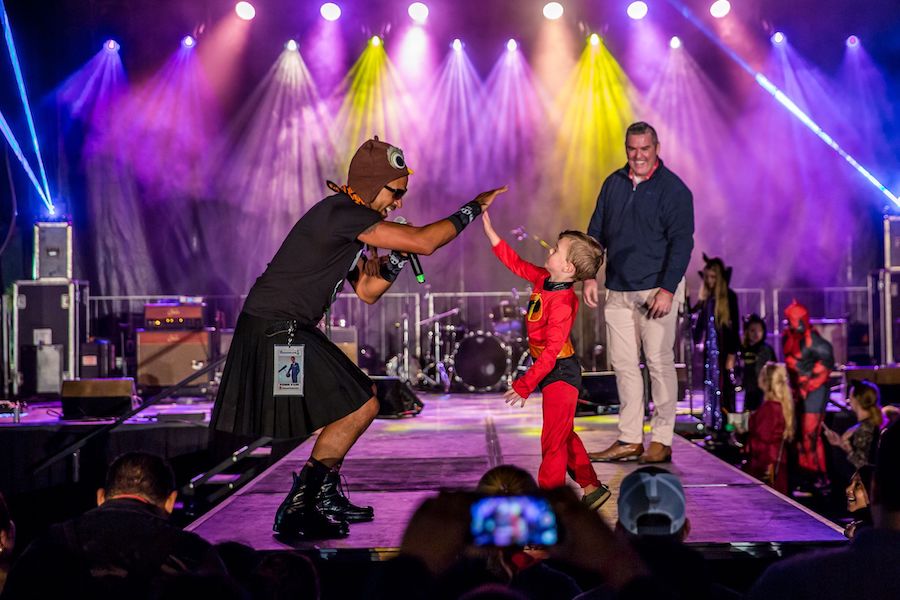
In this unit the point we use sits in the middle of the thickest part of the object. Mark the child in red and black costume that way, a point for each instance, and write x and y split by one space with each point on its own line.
556 370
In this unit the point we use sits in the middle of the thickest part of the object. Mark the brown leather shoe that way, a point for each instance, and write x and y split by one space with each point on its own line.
656 453
618 452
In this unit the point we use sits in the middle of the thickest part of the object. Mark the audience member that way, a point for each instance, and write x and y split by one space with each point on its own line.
436 539
867 567
772 429
717 329
809 359
860 441
121 547
858 500
523 569
653 518
285 576
755 354
7 540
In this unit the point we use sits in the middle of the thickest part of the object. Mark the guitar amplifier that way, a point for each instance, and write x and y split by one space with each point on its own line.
175 316
166 357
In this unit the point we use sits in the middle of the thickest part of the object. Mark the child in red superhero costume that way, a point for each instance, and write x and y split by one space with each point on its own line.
810 360
556 370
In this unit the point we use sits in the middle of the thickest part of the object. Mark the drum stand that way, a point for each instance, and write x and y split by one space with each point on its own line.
441 379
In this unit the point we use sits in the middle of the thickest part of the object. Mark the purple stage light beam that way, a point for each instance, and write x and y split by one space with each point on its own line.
786 102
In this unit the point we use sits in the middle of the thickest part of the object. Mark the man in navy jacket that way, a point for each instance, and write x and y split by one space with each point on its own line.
645 220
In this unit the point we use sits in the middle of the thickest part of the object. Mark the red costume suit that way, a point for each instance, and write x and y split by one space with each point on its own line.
809 359
551 313
768 448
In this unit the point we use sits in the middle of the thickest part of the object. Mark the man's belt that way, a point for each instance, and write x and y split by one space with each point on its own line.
567 350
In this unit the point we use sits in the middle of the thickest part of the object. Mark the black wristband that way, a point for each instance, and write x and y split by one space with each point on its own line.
465 215
391 268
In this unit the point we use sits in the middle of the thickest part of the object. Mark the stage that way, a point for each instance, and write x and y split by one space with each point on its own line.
458 437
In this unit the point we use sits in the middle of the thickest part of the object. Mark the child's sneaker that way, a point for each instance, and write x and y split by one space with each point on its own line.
597 498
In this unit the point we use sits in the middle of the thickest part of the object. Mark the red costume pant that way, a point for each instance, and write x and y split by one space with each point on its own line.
561 448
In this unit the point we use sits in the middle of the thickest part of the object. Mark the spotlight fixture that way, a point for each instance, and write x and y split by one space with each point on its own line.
553 10
457 45
188 41
111 46
375 41
291 45
852 41
512 45
778 38
675 42
418 12
330 11
595 39
720 8
245 10
637 10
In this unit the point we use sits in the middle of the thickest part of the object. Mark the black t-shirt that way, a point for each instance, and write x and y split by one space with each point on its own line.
313 262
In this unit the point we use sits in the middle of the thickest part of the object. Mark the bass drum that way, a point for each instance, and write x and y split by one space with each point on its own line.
481 362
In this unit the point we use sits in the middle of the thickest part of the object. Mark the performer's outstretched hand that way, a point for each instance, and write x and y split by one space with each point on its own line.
512 396
486 198
489 229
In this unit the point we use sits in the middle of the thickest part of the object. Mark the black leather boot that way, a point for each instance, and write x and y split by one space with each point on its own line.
332 501
298 516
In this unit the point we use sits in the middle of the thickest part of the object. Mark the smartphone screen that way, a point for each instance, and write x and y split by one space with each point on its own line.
513 521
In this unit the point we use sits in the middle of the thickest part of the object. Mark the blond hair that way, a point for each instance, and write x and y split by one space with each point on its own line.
585 253
720 293
773 379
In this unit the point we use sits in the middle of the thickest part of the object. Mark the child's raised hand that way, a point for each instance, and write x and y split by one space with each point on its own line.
512 396
489 228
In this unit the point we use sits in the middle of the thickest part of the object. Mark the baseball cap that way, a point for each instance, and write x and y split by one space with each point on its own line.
652 502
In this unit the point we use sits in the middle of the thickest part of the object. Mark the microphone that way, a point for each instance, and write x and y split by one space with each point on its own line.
413 258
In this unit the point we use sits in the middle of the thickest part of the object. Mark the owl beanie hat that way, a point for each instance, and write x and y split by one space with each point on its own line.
374 165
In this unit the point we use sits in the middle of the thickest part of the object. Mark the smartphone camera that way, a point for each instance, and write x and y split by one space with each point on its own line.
513 521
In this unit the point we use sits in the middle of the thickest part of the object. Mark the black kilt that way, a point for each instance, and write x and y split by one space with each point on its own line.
333 387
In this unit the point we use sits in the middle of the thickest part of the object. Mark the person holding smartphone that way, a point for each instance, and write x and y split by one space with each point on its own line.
556 370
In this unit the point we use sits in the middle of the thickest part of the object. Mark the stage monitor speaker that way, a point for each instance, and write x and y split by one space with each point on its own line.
166 357
52 250
396 398
97 398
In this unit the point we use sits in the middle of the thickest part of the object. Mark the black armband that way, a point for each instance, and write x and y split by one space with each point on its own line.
465 215
391 268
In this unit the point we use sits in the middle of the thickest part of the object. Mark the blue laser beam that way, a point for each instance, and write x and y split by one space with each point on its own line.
14 58
785 101
17 150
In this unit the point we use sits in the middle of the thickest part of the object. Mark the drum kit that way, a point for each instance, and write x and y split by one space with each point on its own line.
477 360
